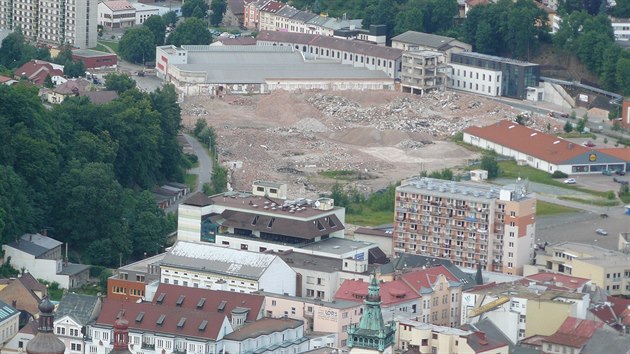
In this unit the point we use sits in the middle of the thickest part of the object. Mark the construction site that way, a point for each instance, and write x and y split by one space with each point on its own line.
369 139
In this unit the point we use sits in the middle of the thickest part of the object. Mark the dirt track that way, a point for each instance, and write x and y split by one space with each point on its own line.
384 136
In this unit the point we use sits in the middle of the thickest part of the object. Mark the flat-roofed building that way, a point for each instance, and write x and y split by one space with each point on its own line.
468 223
423 71
130 281
606 268
420 41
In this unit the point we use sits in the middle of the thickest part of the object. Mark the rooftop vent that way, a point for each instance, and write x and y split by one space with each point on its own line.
556 142
533 134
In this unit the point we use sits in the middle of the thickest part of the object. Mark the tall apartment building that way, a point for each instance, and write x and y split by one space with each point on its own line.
52 22
466 222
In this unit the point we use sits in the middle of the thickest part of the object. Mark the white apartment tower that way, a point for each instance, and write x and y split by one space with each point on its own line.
466 222
52 22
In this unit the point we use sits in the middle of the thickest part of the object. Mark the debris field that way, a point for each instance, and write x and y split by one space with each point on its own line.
382 136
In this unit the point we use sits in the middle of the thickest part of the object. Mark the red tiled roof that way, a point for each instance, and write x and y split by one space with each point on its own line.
555 281
605 314
213 298
172 316
4 79
529 141
619 305
272 7
36 71
392 292
620 153
574 332
425 278
347 45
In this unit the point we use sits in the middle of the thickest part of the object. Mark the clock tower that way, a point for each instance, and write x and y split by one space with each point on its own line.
371 335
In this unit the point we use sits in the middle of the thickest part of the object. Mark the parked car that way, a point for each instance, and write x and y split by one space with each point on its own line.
601 232
588 144
620 172
570 181
607 172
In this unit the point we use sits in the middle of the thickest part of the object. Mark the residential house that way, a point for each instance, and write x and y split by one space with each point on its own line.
130 281
420 337
234 14
571 337
5 80
266 335
356 53
207 266
73 314
251 13
406 262
606 268
521 311
266 16
332 317
419 41
614 312
397 297
156 328
41 256
24 294
71 88
101 97
17 344
36 71
9 323
240 308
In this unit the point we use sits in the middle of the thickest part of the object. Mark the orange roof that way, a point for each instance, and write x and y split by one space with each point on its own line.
620 153
529 141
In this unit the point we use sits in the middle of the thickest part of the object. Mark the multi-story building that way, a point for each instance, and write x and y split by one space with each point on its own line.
606 268
116 14
420 41
203 265
9 322
423 337
423 71
318 316
356 53
75 311
52 22
266 15
130 281
492 75
521 311
621 28
468 223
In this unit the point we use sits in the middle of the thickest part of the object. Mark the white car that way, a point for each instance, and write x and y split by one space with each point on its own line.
601 232
570 181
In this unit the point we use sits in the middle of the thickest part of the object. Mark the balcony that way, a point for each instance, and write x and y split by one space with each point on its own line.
147 346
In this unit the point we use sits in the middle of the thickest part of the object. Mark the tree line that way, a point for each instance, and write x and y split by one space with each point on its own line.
83 172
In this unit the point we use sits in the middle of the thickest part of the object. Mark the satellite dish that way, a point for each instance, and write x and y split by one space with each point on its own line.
317 203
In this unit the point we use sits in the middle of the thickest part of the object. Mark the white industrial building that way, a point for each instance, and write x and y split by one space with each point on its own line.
203 265
218 70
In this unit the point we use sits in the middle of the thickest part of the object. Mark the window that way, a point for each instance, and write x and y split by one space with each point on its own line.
75 346
273 302
310 293
425 342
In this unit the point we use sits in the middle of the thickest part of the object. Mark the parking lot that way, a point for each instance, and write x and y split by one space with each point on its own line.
599 182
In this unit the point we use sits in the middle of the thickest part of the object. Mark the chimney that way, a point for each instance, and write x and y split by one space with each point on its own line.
30 237
45 232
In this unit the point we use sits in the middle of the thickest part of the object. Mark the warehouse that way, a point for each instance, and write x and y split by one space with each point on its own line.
219 70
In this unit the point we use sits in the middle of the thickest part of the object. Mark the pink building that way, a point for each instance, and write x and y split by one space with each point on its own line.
323 317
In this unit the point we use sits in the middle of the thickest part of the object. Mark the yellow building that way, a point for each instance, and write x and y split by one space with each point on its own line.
607 269
426 338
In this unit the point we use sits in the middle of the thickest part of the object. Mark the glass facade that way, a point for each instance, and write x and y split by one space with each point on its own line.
516 75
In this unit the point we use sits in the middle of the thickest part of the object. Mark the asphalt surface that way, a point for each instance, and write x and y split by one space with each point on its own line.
204 170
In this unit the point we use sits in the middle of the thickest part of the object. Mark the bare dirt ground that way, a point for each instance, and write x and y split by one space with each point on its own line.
382 136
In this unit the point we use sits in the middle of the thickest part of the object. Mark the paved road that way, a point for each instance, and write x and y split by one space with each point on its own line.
204 170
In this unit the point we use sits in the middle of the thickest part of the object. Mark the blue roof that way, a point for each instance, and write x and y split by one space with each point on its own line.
6 311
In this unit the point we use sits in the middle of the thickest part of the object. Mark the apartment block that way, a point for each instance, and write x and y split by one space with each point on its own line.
423 71
607 269
52 22
466 222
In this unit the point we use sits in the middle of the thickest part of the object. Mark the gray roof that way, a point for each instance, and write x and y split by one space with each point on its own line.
337 245
216 259
73 269
287 12
35 244
297 260
318 20
257 64
6 311
335 23
303 16
423 39
607 340
81 308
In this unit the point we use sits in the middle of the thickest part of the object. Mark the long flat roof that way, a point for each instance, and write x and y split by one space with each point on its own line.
258 64
594 254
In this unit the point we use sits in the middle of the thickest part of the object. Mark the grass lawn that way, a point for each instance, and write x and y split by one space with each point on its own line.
113 45
509 169
191 181
545 208
598 202
370 218
339 174
625 198
101 48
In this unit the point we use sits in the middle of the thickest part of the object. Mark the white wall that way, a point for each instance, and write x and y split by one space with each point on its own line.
63 327
480 81
40 268
279 278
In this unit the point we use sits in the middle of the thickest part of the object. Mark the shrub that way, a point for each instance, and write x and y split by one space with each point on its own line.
559 174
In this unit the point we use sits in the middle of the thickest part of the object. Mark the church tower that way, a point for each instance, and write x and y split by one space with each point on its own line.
371 335
45 341
121 336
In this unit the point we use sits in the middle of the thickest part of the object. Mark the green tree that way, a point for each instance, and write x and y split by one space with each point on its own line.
191 31
64 56
170 18
189 7
218 8
48 83
622 76
410 18
16 214
489 163
568 127
164 101
74 69
200 125
608 74
157 26
137 45
15 51
119 82
581 124
439 14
